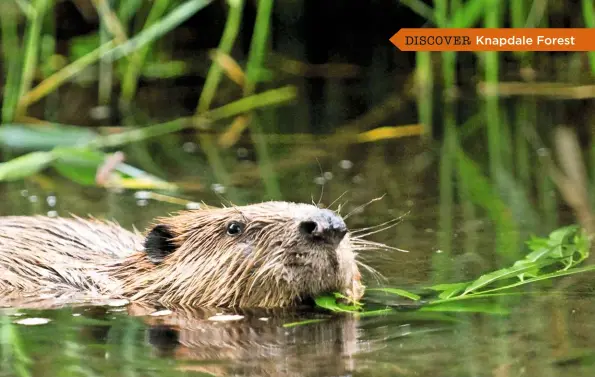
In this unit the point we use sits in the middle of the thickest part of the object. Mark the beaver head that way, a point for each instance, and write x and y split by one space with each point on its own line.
271 254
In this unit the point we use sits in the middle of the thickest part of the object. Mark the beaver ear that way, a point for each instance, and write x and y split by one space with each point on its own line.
159 243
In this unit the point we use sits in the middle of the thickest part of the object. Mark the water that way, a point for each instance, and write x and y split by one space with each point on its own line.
541 335
539 338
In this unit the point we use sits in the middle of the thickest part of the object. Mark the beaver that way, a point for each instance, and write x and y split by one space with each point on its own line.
270 254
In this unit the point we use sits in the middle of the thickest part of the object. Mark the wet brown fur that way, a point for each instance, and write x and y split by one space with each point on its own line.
268 265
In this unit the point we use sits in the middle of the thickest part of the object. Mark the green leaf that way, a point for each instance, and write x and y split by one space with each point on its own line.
25 166
449 290
531 272
78 165
561 244
502 274
537 243
330 303
583 244
25 137
466 307
397 291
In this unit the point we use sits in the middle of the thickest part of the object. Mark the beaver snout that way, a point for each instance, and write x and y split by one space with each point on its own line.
325 226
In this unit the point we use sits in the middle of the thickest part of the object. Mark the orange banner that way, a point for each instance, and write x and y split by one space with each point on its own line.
530 39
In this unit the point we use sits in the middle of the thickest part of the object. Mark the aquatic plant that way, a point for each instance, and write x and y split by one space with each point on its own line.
560 254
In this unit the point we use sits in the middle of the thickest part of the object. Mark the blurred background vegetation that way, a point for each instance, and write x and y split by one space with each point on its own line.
129 109
176 102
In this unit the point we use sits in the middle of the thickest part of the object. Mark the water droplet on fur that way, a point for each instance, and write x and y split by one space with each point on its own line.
192 205
116 303
228 317
32 321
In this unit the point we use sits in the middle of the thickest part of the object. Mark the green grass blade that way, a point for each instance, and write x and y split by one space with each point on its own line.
173 19
110 51
424 10
230 33
254 67
24 166
470 13
265 99
258 45
137 60
424 78
11 61
105 74
57 79
31 46
589 17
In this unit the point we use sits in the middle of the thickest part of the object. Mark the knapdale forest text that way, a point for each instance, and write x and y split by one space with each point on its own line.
465 40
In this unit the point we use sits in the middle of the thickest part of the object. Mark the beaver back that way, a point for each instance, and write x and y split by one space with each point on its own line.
39 254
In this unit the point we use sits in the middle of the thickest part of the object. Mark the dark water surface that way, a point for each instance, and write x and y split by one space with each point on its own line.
542 335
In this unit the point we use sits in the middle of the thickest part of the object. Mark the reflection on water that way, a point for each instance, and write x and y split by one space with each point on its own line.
539 338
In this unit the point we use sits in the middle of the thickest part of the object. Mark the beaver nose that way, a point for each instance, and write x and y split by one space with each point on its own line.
326 226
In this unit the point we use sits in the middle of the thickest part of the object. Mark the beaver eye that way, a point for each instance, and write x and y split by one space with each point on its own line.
234 228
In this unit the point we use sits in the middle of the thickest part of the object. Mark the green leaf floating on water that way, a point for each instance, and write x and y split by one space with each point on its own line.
562 246
329 302
550 257
398 292
503 274
448 290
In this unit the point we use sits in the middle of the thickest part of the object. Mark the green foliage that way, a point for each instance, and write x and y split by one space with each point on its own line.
77 164
25 165
83 153
550 257
40 138
398 292
332 303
